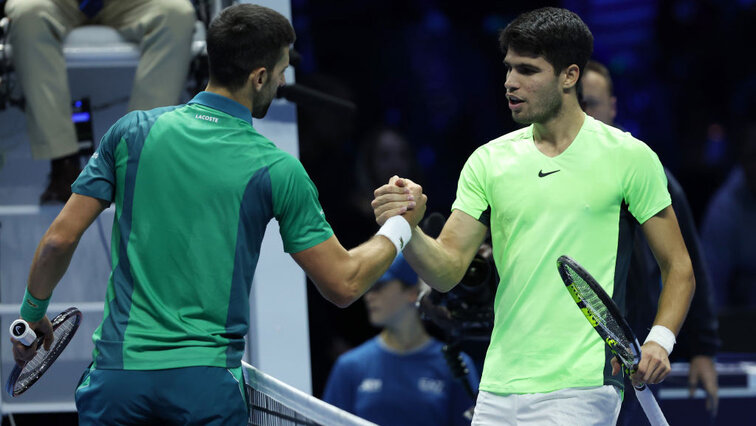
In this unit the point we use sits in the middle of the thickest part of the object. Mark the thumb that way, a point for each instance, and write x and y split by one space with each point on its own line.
396 180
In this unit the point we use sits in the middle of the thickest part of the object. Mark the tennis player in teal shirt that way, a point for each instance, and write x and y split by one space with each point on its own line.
194 188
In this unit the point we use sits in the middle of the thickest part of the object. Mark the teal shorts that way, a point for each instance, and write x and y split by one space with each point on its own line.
177 396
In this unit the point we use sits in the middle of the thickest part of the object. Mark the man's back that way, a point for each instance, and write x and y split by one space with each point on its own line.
194 187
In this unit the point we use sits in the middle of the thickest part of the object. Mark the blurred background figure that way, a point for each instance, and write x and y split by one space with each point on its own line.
698 339
729 232
163 29
401 376
383 151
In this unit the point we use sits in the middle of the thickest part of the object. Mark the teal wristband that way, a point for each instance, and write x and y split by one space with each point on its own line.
33 309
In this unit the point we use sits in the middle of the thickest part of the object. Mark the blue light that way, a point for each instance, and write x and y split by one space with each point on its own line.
80 117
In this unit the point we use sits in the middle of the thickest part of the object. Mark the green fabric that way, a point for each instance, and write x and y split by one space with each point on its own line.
541 208
33 309
194 187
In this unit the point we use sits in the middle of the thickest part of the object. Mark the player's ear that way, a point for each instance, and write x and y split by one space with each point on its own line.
258 77
570 76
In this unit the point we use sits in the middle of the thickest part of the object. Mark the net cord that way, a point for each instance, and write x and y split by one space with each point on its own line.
309 406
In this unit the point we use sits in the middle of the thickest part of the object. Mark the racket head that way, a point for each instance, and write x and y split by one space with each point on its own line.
64 327
601 312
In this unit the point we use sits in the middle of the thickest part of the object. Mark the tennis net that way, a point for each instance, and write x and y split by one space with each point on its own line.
273 402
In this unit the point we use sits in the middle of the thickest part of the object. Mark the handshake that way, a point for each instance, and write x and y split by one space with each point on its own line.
400 196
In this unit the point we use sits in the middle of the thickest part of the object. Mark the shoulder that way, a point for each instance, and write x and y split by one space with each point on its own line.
139 122
618 144
508 140
613 136
504 146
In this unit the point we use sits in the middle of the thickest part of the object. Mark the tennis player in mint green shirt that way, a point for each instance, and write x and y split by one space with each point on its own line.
194 188
565 184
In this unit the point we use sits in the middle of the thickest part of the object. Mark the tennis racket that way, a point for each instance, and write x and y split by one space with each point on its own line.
64 327
606 319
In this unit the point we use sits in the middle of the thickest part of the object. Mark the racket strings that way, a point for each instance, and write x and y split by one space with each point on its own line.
603 317
34 368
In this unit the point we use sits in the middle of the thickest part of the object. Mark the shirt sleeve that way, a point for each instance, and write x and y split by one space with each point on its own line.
471 192
644 183
296 206
98 179
338 390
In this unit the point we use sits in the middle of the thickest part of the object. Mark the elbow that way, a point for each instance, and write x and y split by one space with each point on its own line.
344 294
57 244
343 302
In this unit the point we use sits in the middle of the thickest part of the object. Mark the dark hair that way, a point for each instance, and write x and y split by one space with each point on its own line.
603 71
242 38
560 36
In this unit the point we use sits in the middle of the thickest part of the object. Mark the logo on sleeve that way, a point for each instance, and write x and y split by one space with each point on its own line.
542 174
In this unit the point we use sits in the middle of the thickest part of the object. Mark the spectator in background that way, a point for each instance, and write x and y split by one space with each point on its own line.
401 375
163 29
698 338
729 231
382 153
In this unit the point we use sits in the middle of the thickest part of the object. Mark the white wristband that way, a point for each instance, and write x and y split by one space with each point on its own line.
398 230
663 336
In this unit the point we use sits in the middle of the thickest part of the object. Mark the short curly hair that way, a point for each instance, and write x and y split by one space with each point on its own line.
559 35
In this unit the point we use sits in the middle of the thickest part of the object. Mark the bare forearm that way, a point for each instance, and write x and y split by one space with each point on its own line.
51 260
368 262
677 292
435 264
343 276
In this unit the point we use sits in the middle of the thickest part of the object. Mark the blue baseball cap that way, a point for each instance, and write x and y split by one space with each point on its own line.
399 270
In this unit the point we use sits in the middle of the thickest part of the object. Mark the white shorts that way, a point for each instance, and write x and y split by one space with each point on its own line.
572 406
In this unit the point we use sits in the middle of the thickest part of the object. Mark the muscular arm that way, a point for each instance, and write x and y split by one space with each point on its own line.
665 240
52 257
57 246
442 262
343 276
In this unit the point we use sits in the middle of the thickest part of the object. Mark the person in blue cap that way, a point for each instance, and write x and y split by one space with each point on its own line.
400 376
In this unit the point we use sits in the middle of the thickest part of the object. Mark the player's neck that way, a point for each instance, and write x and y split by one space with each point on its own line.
406 337
237 96
553 136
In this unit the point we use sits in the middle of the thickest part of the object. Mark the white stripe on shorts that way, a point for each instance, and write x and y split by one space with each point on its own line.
572 406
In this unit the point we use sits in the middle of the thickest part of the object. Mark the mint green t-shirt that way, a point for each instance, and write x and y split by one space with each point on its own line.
194 188
582 203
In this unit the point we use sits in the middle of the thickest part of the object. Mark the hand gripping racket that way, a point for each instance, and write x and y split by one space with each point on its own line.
606 319
64 327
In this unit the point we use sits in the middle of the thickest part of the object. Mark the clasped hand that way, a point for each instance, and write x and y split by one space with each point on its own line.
400 196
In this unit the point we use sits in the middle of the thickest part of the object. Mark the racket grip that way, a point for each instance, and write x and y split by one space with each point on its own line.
21 332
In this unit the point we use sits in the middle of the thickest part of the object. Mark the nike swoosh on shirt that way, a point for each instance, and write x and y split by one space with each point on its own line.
542 174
